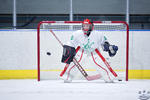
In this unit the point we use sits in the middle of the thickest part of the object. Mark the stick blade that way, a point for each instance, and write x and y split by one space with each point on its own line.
94 77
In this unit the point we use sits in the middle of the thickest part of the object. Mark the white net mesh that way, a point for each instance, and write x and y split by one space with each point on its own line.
50 51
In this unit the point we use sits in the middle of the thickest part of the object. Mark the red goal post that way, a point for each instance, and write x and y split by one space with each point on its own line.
79 22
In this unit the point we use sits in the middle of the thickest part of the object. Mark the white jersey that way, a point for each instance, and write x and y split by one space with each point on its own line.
88 43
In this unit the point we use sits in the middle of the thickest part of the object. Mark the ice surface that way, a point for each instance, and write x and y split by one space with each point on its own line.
78 90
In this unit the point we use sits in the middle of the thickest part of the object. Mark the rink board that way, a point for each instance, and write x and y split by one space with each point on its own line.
18 54
32 74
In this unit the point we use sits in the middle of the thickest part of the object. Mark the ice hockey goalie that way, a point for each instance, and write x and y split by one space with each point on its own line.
89 41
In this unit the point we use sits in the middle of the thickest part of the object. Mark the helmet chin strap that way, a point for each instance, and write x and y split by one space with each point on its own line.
87 32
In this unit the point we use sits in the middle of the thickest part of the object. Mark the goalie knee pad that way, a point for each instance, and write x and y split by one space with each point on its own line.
68 54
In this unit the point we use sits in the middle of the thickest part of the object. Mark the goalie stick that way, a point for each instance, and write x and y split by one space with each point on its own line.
106 63
83 72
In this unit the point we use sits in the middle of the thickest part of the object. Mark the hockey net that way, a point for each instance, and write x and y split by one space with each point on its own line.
49 51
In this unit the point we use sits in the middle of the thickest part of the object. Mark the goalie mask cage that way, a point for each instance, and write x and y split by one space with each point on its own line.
49 51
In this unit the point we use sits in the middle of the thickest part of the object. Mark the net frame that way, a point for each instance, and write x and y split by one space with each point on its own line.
74 22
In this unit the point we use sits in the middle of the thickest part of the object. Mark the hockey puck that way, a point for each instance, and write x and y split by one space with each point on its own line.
48 53
119 79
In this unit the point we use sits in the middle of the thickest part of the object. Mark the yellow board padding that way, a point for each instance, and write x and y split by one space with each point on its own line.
139 74
58 70
32 74
18 74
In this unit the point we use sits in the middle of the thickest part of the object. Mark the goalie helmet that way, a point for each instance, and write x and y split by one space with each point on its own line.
87 27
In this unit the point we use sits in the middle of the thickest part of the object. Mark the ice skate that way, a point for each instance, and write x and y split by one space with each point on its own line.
67 78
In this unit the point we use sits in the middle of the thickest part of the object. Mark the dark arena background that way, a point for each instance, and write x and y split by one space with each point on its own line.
32 33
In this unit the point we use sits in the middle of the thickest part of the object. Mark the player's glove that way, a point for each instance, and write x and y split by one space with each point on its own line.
111 49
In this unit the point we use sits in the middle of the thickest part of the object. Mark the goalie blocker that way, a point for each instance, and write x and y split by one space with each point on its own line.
68 54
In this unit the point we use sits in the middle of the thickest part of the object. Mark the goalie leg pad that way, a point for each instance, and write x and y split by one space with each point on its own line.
68 54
